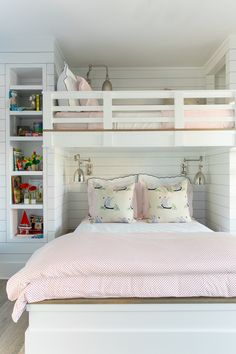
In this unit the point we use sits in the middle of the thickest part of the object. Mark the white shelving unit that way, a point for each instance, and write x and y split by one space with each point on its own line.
25 79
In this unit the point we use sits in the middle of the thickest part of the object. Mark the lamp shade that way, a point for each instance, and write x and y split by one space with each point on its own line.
79 175
199 178
107 86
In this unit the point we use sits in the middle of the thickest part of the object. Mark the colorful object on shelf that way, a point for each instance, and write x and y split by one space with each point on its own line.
37 129
25 226
24 130
36 224
32 228
37 102
32 99
25 187
13 101
32 190
18 158
16 182
32 162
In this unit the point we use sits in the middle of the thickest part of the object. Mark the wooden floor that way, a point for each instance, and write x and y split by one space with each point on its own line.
11 334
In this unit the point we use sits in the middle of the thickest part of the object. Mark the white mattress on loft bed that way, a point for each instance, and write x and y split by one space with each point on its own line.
141 226
217 117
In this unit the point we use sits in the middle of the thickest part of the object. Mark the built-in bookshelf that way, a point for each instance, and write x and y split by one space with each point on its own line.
25 154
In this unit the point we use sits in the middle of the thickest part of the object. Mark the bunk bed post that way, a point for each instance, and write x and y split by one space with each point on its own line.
47 111
107 110
179 110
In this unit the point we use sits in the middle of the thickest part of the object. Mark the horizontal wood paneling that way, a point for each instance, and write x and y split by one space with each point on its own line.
148 78
115 163
217 190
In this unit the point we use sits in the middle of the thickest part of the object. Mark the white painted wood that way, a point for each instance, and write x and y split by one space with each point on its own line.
131 328
113 163
109 118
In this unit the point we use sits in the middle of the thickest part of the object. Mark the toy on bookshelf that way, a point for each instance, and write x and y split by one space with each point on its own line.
24 227
13 101
31 227
23 163
33 162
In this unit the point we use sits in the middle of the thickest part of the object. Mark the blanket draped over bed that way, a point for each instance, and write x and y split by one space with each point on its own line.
99 265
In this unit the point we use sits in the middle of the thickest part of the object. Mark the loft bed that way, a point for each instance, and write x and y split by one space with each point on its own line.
139 118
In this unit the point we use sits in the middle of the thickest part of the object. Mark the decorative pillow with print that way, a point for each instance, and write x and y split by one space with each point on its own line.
113 204
114 183
169 204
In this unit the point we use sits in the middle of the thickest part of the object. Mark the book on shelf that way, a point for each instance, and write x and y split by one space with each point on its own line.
18 157
16 181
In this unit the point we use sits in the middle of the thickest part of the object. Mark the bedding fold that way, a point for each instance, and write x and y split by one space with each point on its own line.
127 265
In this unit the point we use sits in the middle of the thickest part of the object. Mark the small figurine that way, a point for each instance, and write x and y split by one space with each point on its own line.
24 227
32 100
13 100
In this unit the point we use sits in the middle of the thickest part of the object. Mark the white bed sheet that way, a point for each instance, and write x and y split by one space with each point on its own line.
141 226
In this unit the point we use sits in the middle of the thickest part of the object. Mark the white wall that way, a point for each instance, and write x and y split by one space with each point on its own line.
218 189
134 78
109 164
3 225
232 190
57 196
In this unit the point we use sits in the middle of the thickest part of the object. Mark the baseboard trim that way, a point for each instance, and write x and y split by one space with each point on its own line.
7 269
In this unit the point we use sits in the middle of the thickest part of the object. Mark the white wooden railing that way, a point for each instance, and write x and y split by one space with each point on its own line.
110 103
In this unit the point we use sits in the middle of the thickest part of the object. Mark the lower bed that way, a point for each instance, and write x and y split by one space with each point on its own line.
129 260
136 291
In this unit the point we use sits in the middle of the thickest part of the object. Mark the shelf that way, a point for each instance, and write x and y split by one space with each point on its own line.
26 173
27 87
26 113
26 206
28 239
26 138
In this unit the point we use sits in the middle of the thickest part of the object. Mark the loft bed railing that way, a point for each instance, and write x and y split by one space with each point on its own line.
169 110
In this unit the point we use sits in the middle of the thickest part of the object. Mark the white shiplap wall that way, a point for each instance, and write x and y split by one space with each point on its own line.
140 78
57 196
3 225
232 190
218 189
109 164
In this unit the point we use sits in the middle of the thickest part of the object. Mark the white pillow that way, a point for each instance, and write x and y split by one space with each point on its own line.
120 182
152 182
168 204
67 82
113 204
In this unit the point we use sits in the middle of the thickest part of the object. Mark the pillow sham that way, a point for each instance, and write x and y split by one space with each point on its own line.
83 85
119 182
152 182
168 204
113 204
67 82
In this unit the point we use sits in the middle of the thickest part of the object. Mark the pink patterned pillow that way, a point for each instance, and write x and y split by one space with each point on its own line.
83 85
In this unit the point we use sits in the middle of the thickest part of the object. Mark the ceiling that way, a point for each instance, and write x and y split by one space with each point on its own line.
125 32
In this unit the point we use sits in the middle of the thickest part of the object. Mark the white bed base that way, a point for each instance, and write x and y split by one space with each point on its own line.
139 101
198 328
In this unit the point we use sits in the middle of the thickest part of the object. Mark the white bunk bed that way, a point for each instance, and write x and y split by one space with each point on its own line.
135 326
141 118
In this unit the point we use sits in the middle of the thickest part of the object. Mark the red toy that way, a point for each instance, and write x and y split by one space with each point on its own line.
24 227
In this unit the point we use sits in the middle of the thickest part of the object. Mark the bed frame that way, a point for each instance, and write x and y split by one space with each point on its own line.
135 326
145 102
132 326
